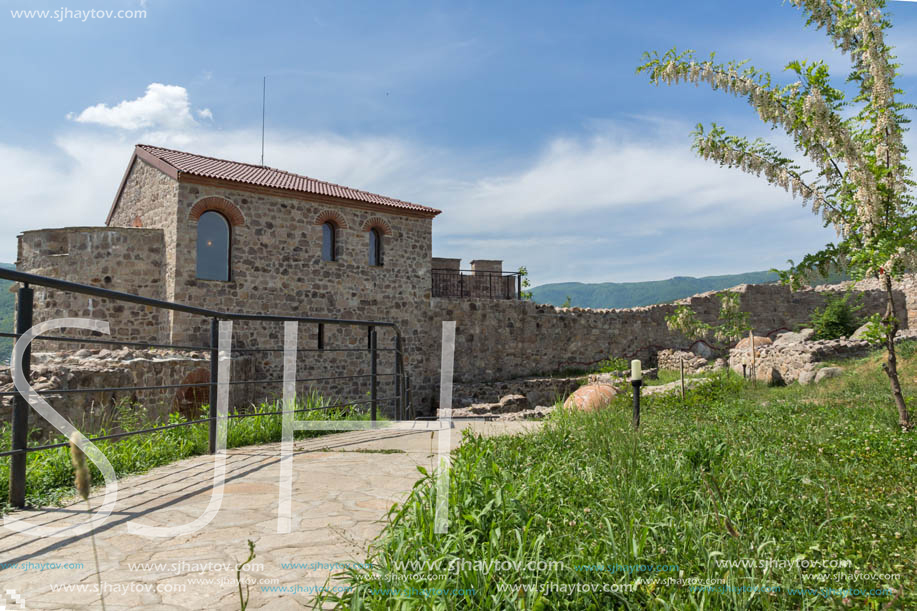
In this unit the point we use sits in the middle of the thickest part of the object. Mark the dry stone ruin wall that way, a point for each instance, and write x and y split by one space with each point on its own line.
503 339
126 260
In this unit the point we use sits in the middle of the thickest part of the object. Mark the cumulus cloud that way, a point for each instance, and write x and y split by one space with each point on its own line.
162 106
205 113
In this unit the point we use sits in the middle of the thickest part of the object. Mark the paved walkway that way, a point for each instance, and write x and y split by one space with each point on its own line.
343 485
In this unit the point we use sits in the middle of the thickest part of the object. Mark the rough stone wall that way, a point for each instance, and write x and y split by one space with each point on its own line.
502 340
149 200
791 359
127 260
907 286
101 368
673 359
277 268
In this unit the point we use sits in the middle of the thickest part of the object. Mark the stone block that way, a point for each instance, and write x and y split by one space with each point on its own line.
826 373
770 376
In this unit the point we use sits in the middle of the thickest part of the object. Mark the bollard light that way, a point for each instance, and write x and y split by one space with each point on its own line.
636 370
636 380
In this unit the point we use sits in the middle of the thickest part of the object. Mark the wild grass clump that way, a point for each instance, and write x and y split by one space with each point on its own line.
764 478
49 473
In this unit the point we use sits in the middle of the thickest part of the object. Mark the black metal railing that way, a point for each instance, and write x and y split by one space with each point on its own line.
476 284
397 399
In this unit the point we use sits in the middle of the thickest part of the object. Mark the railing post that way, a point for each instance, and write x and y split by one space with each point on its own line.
214 373
461 284
373 362
399 370
407 394
519 287
20 432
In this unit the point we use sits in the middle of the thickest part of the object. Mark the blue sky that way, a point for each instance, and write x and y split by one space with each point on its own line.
523 122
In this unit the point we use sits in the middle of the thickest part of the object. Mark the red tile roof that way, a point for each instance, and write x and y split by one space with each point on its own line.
262 176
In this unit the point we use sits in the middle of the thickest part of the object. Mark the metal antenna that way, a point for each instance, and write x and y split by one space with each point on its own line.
263 98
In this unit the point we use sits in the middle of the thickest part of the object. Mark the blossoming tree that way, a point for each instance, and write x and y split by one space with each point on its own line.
855 175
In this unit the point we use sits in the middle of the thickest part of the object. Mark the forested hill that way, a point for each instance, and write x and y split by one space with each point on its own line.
633 294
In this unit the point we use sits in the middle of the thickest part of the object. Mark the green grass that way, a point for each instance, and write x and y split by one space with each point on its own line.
770 476
49 475
666 376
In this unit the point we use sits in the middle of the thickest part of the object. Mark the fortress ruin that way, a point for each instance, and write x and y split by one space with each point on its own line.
237 237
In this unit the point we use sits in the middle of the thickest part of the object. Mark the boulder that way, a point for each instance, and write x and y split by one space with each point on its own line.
860 333
760 342
513 403
827 372
769 375
806 376
702 349
591 397
794 338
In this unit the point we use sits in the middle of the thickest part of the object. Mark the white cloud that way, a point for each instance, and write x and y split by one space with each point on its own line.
162 106
205 113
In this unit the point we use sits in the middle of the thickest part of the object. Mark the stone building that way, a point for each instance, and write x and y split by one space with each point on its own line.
237 237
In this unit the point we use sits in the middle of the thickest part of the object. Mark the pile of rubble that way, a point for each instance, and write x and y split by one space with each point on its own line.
526 398
694 363
796 357
112 369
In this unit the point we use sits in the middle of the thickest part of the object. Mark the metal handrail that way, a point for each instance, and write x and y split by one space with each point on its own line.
95 291
441 276
19 439
479 272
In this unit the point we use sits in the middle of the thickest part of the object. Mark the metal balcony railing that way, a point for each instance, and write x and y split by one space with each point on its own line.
476 284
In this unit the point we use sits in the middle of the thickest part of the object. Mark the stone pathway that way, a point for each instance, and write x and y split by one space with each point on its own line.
343 485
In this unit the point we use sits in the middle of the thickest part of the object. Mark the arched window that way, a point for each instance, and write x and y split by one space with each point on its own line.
375 247
213 246
329 241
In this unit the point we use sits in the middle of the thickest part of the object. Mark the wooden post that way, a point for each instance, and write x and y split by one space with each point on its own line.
682 382
754 371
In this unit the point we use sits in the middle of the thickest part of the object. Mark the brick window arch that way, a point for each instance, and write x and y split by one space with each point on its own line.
331 222
217 204
379 224
333 216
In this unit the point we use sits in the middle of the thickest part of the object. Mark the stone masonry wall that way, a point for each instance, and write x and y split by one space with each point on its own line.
502 340
127 260
277 268
148 200
103 368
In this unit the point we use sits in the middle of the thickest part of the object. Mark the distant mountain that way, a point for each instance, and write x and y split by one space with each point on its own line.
633 294
7 308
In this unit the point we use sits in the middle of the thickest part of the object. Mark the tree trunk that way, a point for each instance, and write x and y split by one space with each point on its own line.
891 365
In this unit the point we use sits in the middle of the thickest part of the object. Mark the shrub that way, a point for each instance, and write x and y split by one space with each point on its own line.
613 364
838 318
